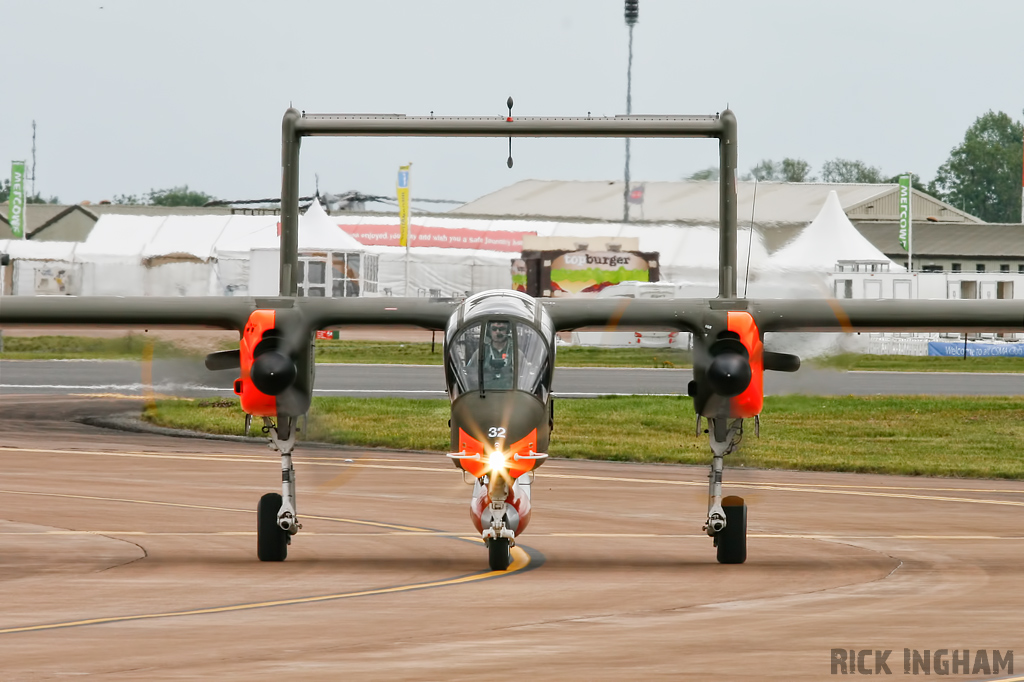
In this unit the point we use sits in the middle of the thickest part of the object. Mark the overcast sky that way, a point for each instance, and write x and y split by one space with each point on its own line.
130 96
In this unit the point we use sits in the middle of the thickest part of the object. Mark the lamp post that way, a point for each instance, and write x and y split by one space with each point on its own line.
632 14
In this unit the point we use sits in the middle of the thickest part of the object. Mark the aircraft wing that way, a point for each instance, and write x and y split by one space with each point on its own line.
835 315
781 315
219 312
684 314
120 311
771 315
323 313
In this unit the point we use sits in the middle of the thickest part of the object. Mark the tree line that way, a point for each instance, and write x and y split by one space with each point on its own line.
173 196
5 193
982 175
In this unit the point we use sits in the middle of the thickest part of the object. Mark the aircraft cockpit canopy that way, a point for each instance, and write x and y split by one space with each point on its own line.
498 354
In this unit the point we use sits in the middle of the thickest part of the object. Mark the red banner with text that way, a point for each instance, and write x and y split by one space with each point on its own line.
445 237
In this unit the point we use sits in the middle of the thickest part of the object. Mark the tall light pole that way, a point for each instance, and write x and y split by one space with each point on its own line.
632 14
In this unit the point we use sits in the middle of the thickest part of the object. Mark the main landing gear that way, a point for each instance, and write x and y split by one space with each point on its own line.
727 517
276 519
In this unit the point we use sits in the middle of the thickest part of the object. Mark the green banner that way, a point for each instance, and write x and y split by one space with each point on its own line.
16 200
905 218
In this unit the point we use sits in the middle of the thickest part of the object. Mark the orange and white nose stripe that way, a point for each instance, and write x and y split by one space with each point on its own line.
524 447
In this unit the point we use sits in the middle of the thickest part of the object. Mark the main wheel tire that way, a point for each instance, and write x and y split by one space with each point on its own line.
732 542
499 554
271 541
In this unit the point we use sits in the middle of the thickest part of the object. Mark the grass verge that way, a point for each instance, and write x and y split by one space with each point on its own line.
129 347
977 437
913 363
396 353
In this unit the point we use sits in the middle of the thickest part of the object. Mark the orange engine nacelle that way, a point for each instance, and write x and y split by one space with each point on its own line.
254 401
750 402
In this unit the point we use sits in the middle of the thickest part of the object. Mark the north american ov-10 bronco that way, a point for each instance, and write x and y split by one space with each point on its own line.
499 345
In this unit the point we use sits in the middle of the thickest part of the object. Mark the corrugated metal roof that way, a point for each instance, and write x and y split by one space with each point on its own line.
988 240
777 202
39 216
885 208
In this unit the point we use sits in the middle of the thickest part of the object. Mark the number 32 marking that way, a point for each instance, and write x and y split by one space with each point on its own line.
496 432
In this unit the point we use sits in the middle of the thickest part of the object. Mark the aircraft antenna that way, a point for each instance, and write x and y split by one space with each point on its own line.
508 103
750 238
33 158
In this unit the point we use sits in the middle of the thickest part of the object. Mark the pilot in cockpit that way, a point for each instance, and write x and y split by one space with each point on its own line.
498 356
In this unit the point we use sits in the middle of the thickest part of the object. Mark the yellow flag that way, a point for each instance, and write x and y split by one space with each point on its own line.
403 203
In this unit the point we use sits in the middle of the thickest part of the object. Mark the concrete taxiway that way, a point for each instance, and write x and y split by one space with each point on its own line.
132 556
188 377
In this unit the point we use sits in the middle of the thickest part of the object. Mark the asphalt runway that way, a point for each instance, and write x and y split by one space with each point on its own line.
129 556
188 377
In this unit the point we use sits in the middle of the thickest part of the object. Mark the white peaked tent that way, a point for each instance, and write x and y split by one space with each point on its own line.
829 239
318 231
347 269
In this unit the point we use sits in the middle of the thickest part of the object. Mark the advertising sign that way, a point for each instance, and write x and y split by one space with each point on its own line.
905 217
445 237
581 272
403 205
16 200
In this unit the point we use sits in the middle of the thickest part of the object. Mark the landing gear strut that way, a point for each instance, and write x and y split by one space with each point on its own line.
276 519
498 538
727 518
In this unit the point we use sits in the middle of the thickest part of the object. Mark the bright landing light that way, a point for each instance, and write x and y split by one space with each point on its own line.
497 460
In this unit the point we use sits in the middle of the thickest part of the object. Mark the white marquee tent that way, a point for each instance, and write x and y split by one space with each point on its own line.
830 239
239 255
128 255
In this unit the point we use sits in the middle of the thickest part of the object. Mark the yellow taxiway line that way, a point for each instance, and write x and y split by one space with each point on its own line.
520 560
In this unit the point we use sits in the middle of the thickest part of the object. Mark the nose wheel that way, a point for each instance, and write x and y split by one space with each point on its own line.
499 553
731 541
271 539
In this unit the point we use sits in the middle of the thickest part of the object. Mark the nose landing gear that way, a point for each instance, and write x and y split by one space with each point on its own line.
276 519
498 537
727 518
